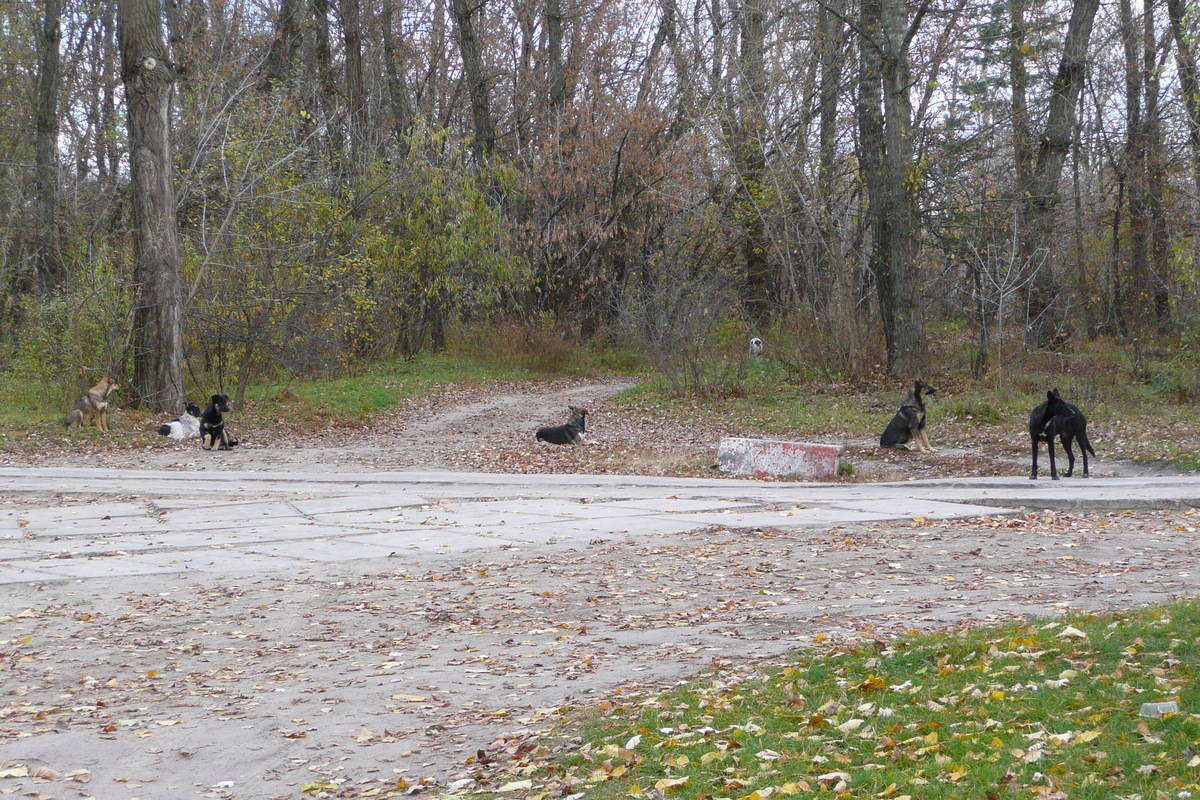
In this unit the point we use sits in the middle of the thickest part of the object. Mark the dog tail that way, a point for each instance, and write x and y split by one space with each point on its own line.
1084 443
164 429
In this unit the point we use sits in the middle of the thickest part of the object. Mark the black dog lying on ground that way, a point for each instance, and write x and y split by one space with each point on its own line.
571 433
185 427
1058 418
212 425
909 423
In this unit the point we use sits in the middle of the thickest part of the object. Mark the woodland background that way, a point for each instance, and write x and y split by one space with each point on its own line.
221 190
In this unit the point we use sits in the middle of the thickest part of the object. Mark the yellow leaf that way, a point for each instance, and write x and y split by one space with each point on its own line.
666 784
515 786
890 791
18 771
317 788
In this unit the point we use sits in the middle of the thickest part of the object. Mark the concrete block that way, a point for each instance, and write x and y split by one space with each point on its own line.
775 458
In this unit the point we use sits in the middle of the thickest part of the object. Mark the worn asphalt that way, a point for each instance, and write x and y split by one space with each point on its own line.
262 635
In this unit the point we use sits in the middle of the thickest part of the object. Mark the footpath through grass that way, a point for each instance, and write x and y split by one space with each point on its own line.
1046 710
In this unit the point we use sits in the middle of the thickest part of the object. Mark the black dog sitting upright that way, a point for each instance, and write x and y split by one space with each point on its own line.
571 433
1058 418
212 425
909 423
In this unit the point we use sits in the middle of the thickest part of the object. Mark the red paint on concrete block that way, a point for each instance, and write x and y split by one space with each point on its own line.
775 458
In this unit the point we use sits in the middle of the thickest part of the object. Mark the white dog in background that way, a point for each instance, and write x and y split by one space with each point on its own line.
186 427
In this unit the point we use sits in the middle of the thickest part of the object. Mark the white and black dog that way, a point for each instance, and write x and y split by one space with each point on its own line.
571 433
185 427
213 435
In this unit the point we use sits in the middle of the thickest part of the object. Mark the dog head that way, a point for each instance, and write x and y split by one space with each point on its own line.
756 346
220 402
191 409
108 384
921 387
577 415
1057 413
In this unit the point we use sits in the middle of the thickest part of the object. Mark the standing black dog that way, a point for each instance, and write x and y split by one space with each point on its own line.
909 423
571 433
212 425
1058 418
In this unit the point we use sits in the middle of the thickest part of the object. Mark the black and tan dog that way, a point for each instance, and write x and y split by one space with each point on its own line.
94 404
1058 418
212 425
573 432
909 423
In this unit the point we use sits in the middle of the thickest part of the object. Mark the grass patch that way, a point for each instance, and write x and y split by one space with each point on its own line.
1046 710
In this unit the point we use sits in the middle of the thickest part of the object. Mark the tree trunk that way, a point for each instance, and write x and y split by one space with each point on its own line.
1019 78
356 94
1158 274
48 261
484 141
885 120
745 129
1137 312
402 107
158 304
830 29
1040 194
281 57
1189 82
554 58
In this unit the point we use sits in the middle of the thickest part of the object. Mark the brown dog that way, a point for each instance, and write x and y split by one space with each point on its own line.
94 404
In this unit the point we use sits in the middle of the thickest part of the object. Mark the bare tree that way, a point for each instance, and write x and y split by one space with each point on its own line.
158 306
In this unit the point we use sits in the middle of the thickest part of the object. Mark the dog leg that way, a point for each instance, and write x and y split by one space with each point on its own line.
928 444
1033 471
1050 455
1070 457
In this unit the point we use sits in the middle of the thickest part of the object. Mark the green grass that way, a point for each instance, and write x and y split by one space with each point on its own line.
1046 710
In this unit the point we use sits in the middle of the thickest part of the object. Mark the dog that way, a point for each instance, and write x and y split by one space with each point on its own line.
94 404
185 427
571 433
909 423
212 425
1056 418
756 346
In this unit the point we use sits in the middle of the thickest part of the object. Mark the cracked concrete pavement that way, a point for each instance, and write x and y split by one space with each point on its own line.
246 634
